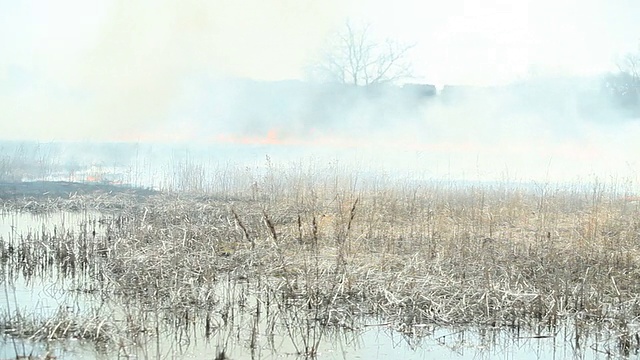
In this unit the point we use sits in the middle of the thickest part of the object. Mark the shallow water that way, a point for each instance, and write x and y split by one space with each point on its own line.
12 225
248 333
368 343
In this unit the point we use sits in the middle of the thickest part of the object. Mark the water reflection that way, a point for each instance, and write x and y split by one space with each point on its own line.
66 308
13 225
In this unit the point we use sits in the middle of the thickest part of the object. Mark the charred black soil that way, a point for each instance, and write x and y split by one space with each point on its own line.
38 189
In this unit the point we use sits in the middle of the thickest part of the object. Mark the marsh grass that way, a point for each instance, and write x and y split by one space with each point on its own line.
303 252
62 325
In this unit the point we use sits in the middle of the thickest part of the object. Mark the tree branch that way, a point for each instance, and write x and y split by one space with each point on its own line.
359 60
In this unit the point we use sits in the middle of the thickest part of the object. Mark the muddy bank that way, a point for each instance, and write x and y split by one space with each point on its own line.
38 189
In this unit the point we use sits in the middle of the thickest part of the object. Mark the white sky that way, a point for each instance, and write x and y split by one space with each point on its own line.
458 41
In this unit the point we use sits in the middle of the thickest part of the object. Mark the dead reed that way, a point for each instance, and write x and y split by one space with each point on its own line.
332 251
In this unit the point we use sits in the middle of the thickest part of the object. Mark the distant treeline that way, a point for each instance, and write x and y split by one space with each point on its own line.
603 99
297 107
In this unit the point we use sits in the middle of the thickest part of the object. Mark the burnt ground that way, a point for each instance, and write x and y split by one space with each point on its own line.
63 189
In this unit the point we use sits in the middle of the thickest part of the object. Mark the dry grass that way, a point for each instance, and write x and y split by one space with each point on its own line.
62 325
335 250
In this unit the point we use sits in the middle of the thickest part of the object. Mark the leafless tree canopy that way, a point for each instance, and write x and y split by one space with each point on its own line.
624 86
630 65
627 81
358 59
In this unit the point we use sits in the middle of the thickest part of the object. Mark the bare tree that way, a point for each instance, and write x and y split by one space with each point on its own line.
630 65
625 85
357 58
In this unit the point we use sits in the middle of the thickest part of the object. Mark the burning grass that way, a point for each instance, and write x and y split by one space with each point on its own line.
332 253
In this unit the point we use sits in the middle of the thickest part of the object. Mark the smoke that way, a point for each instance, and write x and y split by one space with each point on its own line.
549 129
201 72
544 128
112 70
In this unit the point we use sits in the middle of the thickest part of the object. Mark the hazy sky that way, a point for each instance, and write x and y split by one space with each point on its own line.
458 41
486 41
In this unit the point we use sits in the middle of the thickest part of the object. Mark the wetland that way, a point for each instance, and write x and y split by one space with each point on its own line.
331 267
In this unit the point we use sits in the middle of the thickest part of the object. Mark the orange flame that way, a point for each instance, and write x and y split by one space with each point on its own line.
311 138
92 178
314 139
